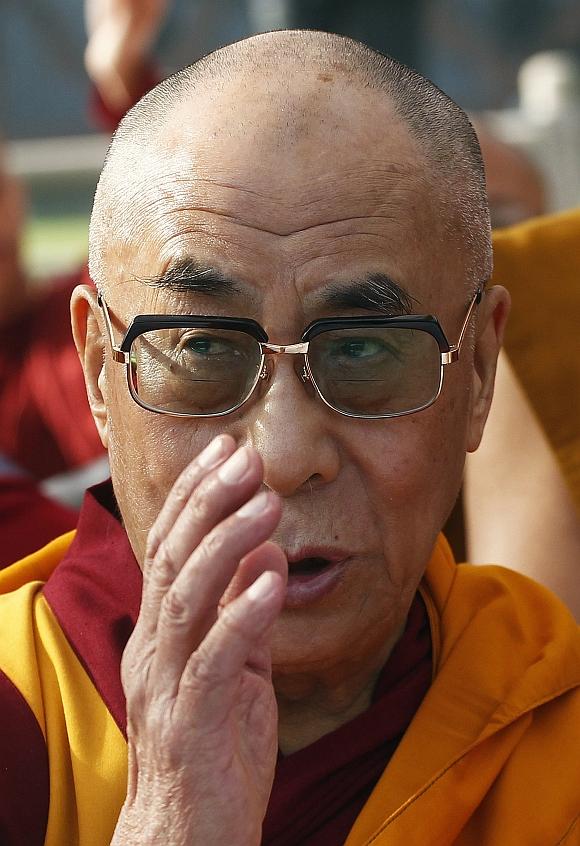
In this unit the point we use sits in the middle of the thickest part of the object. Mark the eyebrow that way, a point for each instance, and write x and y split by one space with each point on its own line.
375 292
190 276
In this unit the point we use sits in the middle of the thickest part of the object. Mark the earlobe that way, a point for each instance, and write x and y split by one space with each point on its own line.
90 347
492 319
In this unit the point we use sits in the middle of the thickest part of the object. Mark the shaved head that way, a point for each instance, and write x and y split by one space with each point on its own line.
292 75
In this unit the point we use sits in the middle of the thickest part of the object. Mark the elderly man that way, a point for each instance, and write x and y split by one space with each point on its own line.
305 662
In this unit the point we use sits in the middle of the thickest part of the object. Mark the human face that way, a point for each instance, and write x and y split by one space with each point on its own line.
352 199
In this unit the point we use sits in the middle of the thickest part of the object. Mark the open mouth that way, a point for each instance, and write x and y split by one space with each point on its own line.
309 566
312 577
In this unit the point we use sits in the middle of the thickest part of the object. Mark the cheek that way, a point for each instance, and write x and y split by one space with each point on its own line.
147 453
412 471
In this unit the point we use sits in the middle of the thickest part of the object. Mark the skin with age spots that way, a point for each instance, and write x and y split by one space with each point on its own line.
290 193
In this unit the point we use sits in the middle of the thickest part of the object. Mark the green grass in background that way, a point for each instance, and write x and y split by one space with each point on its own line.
54 245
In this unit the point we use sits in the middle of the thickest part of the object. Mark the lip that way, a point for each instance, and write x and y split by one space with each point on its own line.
303 589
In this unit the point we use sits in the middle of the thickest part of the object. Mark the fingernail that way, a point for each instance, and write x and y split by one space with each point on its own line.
260 589
212 453
255 506
235 467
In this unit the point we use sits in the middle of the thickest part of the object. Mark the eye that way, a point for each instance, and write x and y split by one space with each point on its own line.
365 349
208 346
360 347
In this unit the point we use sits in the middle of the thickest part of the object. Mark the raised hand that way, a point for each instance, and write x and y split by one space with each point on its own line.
202 715
120 36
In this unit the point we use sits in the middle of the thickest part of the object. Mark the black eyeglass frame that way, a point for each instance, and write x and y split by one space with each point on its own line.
142 323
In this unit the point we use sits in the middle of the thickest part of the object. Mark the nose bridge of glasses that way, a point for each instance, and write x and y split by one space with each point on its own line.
285 349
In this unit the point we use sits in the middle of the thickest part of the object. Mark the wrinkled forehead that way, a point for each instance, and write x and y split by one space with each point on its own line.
300 184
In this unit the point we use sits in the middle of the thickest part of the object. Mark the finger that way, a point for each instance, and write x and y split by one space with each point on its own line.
268 556
210 681
189 609
214 498
217 451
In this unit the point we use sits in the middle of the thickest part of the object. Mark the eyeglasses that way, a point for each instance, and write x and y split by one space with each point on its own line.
203 366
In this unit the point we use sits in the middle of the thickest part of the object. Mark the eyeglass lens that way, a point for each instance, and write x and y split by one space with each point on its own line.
194 371
362 371
374 372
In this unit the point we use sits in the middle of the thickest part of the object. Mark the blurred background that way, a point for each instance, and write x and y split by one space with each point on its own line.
513 63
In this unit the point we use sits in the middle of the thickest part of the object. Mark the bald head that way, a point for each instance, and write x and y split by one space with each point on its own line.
282 92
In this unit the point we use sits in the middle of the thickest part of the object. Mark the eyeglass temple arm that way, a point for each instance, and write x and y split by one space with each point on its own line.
118 355
453 354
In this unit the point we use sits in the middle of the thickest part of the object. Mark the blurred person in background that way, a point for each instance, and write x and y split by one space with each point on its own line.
522 487
47 429
47 434
521 495
515 184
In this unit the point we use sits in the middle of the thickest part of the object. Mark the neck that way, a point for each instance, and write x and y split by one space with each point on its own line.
316 703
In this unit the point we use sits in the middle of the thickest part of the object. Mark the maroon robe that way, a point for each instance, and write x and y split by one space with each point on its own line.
47 427
28 520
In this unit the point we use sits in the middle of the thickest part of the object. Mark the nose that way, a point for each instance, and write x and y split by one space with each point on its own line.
293 431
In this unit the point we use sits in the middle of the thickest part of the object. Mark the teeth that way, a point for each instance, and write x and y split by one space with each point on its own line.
309 566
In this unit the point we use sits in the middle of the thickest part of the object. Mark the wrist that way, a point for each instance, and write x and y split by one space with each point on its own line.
158 823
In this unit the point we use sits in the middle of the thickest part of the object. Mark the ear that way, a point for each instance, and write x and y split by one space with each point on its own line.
89 340
492 319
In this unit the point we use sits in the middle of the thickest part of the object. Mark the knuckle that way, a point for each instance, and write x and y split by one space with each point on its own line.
175 610
212 546
165 556
201 505
181 491
202 675
234 624
164 566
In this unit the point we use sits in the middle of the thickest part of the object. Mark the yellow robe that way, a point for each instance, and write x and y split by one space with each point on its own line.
492 757
539 263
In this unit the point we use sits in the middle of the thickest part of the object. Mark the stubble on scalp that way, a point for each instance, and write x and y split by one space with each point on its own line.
277 64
